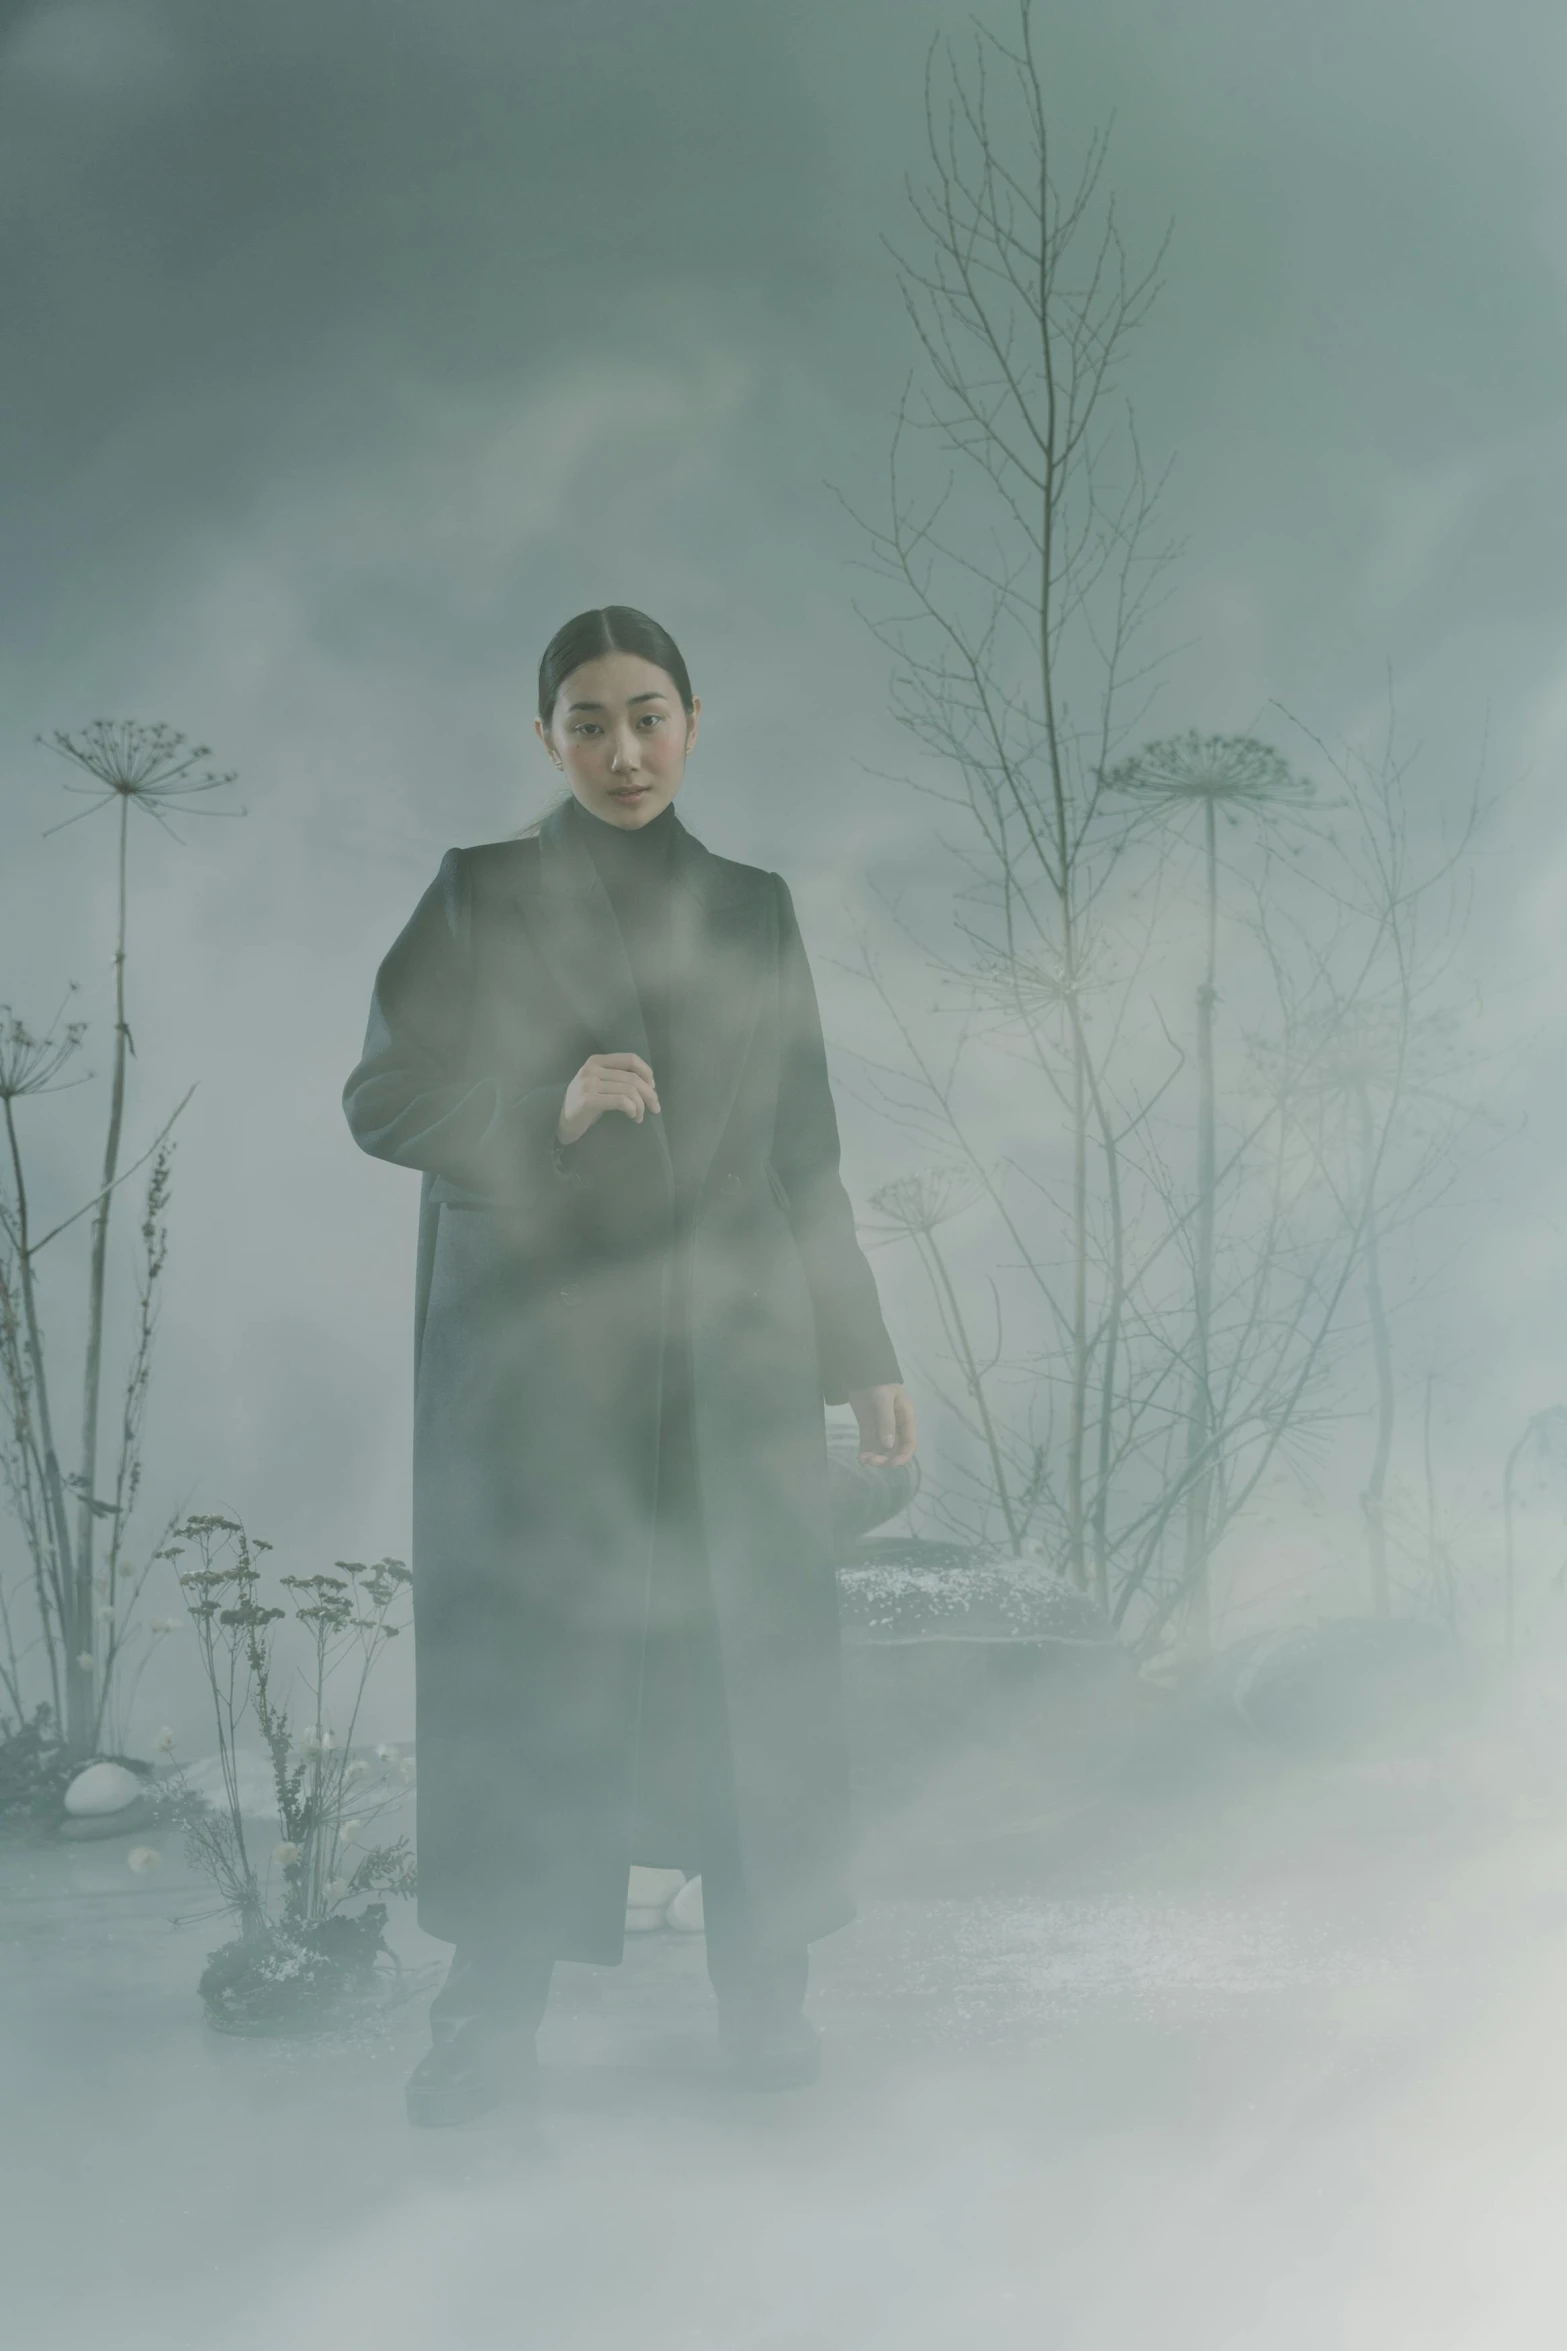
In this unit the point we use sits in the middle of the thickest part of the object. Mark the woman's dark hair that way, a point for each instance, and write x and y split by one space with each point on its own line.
611 628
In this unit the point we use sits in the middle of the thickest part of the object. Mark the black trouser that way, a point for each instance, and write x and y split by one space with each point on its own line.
509 1983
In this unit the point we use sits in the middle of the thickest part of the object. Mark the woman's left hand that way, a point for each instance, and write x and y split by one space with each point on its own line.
887 1432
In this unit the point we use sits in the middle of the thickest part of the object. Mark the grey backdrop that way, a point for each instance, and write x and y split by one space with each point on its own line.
351 346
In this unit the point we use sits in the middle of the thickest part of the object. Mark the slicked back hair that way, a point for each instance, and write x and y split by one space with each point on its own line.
608 628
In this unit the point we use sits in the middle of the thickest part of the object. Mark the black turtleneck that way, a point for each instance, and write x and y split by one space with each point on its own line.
636 867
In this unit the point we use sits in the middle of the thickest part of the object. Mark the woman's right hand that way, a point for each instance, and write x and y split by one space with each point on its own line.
606 1081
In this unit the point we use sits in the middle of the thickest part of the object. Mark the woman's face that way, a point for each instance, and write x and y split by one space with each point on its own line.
620 734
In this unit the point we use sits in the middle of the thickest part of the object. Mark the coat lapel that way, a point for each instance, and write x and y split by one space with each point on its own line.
722 951
720 948
574 929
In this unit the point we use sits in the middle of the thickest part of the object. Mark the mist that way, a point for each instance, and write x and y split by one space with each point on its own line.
1205 1687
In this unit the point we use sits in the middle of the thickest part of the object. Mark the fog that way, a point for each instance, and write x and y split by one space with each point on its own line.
350 350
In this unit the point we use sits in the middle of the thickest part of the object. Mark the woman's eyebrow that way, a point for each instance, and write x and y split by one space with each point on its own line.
652 695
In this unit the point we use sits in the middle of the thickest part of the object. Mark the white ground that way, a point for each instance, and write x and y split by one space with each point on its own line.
1316 2106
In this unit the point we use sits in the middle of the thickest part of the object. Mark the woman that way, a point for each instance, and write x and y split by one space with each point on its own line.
638 1282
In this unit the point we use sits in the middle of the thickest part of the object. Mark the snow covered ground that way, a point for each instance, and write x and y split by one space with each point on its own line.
1319 2106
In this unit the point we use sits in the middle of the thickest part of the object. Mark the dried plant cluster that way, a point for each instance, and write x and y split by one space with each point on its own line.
71 1652
295 1932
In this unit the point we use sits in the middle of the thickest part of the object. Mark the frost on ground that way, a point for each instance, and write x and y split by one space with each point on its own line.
1008 1961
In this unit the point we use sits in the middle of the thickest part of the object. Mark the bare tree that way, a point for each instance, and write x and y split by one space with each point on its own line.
1545 1437
1024 573
913 1208
1385 1080
1157 1342
1208 774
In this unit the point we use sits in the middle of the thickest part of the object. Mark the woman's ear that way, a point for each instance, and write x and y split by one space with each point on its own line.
539 730
692 715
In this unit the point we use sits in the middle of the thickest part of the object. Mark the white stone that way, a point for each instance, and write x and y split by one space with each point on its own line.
102 1787
685 1912
654 1889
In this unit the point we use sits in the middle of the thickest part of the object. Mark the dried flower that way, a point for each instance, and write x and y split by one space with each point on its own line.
224 1595
163 1744
1225 771
30 1064
84 1659
141 1858
148 767
163 1624
918 1203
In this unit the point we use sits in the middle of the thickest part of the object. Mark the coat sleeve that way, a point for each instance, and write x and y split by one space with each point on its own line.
413 1099
851 1337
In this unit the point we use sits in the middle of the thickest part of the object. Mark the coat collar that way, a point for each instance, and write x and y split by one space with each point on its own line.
567 870
716 912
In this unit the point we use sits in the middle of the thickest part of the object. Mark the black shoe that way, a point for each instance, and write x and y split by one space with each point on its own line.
468 2071
777 2050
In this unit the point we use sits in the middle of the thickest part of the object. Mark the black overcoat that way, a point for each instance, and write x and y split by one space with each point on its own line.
545 1283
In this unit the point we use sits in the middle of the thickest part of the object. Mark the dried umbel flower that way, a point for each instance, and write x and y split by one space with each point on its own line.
1363 1051
141 1858
147 767
286 1856
918 1203
1032 982
163 1744
1223 771
31 1064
